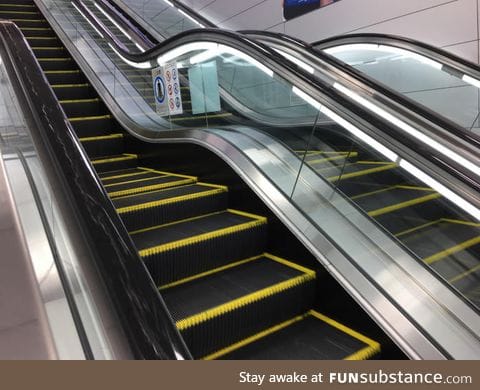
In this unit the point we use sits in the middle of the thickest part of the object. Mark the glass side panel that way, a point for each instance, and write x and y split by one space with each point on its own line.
224 90
418 78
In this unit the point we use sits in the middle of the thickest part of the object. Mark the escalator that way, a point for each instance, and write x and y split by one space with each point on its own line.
228 296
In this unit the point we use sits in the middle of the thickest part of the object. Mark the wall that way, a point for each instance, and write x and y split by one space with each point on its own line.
450 24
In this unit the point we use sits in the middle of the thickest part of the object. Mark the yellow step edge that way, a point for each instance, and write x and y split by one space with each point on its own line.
385 167
170 173
326 159
288 263
417 228
89 118
70 85
47 48
114 159
133 181
188 118
465 274
166 189
117 194
461 222
202 237
248 299
209 272
247 215
408 203
54 59
163 202
452 250
61 71
133 232
45 38
20 12
17 5
101 137
251 339
35 28
125 174
27 20
94 100
372 349
390 188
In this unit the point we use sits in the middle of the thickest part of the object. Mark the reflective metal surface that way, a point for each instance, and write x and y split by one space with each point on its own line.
393 281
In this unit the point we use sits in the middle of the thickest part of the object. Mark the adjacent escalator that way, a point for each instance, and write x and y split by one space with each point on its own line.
228 296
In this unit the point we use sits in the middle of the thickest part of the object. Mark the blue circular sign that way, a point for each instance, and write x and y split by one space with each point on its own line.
159 88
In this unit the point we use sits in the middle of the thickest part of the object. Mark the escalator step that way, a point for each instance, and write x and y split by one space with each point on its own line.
325 160
137 184
50 51
238 301
43 41
173 204
27 20
313 336
188 247
87 107
65 76
106 177
99 146
74 91
452 249
394 198
90 126
111 163
55 63
42 32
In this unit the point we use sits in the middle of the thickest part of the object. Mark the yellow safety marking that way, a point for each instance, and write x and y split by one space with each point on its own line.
247 215
54 59
202 237
450 251
170 173
163 202
34 28
33 37
464 274
365 353
19 12
408 203
287 263
61 71
70 85
375 192
384 167
193 178
18 5
248 299
28 20
137 190
416 228
114 159
207 273
461 222
335 158
253 338
174 223
101 137
201 117
89 118
47 48
134 181
118 176
79 101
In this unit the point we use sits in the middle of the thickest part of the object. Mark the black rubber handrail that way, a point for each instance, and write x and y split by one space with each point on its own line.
429 51
142 313
378 127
